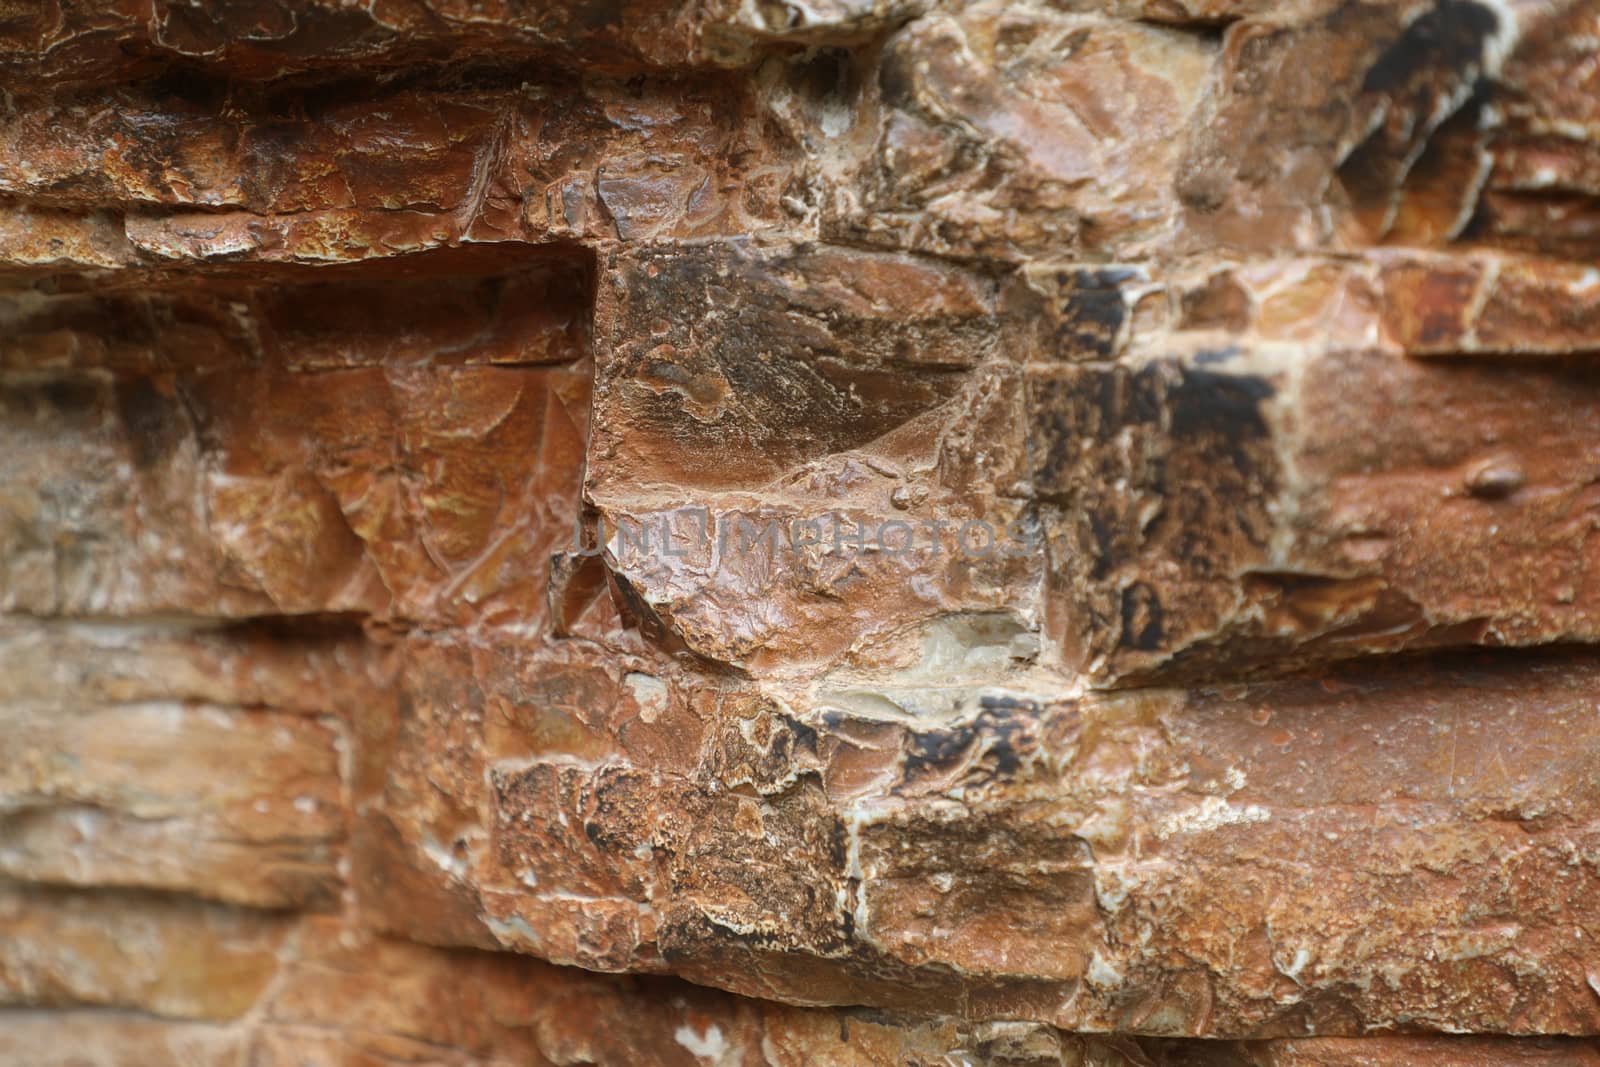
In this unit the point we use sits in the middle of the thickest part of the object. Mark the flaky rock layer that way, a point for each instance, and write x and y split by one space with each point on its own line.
829 531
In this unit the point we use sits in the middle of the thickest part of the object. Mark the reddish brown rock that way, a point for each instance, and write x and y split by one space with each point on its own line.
1269 512
181 757
1019 534
171 956
977 849
1000 131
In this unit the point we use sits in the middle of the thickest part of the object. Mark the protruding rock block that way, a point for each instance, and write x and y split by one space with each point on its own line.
1275 482
991 533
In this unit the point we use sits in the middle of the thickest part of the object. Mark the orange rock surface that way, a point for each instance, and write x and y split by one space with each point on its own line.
861 532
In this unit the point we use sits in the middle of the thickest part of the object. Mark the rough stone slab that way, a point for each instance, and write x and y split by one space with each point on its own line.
170 755
774 355
308 667
179 495
236 804
864 419
66 1039
164 955
1184 434
1382 1051
339 1000
1212 508
44 1038
503 304
1000 131
1347 125
80 41
1491 304
1153 861
310 176
352 356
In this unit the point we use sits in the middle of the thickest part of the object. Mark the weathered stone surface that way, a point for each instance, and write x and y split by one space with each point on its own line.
172 756
82 41
1215 504
166 955
340 519
1000 855
863 414
341 999
1004 131
990 533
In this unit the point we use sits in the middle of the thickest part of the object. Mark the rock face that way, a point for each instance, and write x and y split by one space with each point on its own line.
815 532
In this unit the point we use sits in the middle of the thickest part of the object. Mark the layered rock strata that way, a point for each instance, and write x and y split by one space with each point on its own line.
831 531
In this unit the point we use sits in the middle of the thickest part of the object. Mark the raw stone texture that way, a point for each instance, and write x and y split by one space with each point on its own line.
449 612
